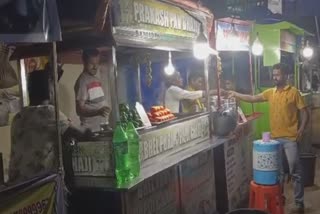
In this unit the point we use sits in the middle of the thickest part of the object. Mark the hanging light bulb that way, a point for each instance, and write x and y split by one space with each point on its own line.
169 69
257 47
307 51
201 49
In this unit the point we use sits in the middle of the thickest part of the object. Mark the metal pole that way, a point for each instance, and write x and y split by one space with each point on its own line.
317 28
251 78
114 88
138 82
56 103
206 79
23 82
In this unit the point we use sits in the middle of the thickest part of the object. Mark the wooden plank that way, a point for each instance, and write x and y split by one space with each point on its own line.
197 183
157 195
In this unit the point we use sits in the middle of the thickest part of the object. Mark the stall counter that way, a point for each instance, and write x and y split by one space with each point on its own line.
193 176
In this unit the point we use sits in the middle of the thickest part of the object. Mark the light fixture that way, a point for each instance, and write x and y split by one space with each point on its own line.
257 47
201 49
169 69
307 51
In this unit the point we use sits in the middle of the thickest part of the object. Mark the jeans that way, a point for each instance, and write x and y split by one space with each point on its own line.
292 156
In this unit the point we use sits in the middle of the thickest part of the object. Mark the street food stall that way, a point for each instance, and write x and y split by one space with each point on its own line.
182 161
39 192
176 156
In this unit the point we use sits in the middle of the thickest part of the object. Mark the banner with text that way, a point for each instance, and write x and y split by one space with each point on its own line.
38 200
232 37
151 21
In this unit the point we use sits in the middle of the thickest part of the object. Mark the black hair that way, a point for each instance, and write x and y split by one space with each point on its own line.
284 68
193 75
88 53
38 87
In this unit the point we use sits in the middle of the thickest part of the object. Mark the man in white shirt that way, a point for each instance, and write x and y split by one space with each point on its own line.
90 99
175 93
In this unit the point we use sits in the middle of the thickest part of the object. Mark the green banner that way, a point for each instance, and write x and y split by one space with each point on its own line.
39 200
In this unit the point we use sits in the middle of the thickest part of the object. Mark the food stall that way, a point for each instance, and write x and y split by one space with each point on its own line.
176 156
40 193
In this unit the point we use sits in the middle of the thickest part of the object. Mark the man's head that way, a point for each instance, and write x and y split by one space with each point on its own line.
91 61
196 80
175 79
280 74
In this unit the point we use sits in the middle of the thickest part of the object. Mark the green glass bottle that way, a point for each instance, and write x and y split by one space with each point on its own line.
121 154
134 150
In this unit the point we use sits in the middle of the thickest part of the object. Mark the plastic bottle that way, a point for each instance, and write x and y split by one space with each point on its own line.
121 154
134 150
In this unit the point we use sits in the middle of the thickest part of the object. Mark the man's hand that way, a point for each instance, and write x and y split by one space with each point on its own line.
232 94
300 135
104 111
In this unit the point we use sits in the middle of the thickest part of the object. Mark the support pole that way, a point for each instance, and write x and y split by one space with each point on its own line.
56 103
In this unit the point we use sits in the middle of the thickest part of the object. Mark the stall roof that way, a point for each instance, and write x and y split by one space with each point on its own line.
89 25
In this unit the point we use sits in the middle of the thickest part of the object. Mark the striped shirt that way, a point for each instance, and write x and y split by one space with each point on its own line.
88 88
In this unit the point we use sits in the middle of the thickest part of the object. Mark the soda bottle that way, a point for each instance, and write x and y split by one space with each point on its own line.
134 150
121 154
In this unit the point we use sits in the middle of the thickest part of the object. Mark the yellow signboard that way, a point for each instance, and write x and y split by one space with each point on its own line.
157 17
39 200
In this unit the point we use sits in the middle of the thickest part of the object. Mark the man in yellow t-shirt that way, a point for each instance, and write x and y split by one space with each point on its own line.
195 83
285 103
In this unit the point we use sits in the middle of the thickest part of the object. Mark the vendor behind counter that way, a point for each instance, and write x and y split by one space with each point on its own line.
175 94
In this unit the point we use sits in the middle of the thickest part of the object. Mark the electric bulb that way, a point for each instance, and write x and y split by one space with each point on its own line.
307 52
201 50
169 69
257 48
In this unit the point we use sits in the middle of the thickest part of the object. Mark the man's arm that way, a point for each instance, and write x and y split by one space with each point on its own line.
182 94
85 111
304 115
248 98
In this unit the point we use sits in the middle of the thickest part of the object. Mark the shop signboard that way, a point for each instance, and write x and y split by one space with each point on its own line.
43 196
93 159
154 22
174 138
232 37
288 41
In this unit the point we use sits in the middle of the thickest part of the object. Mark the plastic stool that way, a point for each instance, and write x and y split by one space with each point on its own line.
268 198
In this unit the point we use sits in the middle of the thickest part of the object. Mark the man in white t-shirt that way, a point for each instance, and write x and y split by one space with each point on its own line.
90 99
175 93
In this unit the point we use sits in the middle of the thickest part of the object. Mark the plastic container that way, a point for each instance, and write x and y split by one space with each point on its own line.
308 162
266 162
247 211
